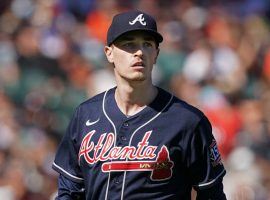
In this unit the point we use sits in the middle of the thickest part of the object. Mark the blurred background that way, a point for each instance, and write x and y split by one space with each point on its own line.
215 55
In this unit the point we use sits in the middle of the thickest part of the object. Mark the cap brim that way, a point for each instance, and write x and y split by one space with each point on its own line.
158 37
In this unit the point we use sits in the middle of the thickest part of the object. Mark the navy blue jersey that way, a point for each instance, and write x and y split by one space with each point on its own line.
159 153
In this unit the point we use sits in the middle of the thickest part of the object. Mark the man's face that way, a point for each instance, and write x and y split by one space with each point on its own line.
133 56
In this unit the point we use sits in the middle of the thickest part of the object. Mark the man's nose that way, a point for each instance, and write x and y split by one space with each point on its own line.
139 51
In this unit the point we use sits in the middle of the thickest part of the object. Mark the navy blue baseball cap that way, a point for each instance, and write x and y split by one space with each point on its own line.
132 21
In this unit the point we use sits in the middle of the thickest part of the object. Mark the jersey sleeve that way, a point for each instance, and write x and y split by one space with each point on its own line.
66 159
204 164
69 190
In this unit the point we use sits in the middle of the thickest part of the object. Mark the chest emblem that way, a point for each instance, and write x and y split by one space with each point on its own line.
90 123
142 157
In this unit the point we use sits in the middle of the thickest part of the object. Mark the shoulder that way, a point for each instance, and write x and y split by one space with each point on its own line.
94 104
185 108
183 111
97 99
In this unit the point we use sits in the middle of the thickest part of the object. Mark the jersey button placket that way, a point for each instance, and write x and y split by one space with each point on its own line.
124 131
116 180
115 185
126 124
123 138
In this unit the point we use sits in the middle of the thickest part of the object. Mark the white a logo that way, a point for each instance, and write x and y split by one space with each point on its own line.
140 19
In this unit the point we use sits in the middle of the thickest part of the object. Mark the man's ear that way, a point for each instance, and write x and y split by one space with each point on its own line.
157 55
108 53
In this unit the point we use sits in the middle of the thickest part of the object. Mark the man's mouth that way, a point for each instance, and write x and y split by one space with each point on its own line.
138 64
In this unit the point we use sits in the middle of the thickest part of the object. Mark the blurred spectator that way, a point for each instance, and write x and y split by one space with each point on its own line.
215 55
98 21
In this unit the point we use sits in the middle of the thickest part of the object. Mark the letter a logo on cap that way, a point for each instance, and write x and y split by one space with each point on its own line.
140 19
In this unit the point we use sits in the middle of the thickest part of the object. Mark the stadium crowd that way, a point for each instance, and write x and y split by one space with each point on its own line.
215 55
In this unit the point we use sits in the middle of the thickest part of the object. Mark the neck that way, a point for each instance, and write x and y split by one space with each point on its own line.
132 98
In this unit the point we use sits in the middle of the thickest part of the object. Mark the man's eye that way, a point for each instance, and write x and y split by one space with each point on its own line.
129 44
148 44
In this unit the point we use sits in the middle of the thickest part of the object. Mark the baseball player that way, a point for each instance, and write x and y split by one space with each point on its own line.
137 141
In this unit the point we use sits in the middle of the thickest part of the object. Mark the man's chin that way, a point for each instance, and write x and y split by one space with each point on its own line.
138 78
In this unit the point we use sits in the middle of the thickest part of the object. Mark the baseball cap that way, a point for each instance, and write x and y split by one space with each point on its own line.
132 21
